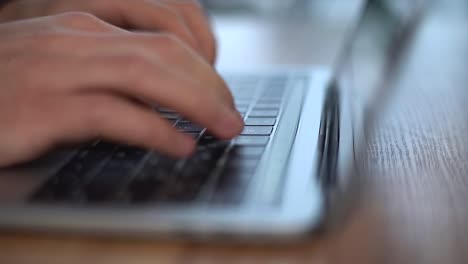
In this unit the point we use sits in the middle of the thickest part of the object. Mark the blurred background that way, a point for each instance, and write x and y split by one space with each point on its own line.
254 33
411 204
298 32
272 32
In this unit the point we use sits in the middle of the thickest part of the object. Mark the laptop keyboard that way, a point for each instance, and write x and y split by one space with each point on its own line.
219 172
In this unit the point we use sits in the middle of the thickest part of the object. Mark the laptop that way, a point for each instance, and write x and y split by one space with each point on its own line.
271 182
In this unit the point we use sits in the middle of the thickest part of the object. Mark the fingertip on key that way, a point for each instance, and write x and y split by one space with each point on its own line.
185 146
231 124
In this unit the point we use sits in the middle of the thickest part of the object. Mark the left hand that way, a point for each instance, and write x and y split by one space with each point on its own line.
183 18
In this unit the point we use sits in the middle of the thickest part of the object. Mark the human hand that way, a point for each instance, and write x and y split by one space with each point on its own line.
72 77
183 18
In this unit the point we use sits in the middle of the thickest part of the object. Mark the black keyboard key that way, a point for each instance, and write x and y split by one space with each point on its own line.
205 159
110 181
252 140
265 100
277 88
156 174
160 167
240 103
195 173
243 96
190 182
189 128
267 106
258 121
130 153
244 164
165 110
64 186
184 121
278 80
142 189
67 184
242 109
257 130
247 152
102 146
210 151
211 141
170 116
273 94
264 113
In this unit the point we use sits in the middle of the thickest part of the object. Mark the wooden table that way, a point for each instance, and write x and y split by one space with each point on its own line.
411 201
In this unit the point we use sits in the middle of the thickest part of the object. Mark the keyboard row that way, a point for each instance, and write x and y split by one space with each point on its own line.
106 173
218 172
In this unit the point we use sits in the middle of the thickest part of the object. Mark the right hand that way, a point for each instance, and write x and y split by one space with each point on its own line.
183 18
72 77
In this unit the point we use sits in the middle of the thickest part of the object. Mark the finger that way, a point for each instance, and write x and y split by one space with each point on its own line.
111 117
82 21
163 48
142 15
156 16
139 77
175 53
64 22
197 21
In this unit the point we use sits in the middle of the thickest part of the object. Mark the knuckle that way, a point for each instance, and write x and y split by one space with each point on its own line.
132 60
77 18
169 13
170 44
168 40
175 23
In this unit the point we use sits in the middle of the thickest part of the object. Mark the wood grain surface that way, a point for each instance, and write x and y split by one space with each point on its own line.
411 201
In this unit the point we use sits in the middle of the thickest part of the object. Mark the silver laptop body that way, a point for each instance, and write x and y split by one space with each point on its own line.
306 150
